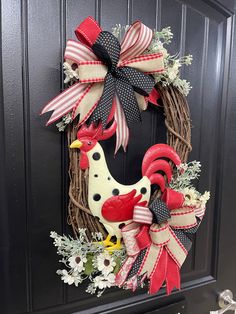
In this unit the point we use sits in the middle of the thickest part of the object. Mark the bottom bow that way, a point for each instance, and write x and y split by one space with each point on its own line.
157 249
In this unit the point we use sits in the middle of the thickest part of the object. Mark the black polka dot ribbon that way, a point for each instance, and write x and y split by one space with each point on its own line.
161 214
123 81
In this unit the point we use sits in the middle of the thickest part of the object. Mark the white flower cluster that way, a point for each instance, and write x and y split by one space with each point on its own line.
85 259
119 30
70 71
181 182
67 119
171 75
195 198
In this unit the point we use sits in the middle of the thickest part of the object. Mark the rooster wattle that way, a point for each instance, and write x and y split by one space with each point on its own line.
109 200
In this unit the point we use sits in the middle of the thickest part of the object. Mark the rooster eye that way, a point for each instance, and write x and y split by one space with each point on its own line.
89 143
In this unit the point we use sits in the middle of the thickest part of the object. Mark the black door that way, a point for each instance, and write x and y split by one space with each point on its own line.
33 178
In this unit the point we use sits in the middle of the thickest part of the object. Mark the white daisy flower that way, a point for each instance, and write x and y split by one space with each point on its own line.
190 197
105 263
103 282
76 262
70 71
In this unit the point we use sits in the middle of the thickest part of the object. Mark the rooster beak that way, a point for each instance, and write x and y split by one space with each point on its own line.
76 144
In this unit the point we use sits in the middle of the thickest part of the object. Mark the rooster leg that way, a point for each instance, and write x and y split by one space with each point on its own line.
116 246
106 242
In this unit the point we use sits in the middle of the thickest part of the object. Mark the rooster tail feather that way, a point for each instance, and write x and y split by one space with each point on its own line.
158 179
150 165
159 165
153 162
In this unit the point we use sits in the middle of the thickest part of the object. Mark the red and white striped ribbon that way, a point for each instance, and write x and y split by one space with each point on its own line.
136 40
142 214
78 52
200 212
64 102
122 130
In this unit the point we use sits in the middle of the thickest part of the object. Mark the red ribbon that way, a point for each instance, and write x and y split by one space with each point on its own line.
87 32
165 269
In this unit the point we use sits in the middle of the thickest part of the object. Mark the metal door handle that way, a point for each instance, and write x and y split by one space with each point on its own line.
225 302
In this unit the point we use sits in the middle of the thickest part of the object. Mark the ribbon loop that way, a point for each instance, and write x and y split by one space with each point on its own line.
107 49
88 31
160 211
183 218
143 238
160 234
77 52
136 40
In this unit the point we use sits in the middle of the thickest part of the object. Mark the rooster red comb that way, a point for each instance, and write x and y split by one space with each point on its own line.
96 131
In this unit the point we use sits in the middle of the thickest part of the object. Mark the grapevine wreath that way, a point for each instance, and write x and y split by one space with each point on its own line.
125 235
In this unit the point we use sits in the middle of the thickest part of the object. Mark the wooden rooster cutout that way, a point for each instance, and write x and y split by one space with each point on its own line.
110 201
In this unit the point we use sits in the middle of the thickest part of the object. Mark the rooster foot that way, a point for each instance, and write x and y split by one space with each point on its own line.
116 246
106 242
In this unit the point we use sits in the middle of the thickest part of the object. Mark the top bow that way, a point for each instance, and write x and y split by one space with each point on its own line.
113 78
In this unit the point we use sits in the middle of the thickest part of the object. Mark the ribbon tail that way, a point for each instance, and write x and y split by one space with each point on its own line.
140 82
153 97
105 104
87 102
132 283
124 271
142 101
122 130
172 275
64 102
158 276
128 101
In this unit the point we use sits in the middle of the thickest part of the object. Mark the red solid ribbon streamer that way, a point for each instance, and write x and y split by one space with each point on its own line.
87 32
172 275
166 270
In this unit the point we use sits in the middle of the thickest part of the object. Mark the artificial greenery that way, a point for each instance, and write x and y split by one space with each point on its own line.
84 259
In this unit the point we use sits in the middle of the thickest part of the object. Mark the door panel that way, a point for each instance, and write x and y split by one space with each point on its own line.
34 161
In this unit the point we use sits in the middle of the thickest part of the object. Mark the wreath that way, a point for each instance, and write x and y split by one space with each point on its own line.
125 235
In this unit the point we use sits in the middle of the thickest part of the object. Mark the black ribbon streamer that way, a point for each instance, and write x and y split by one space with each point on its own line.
123 80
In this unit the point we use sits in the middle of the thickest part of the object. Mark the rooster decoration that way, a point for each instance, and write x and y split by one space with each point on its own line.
110 201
